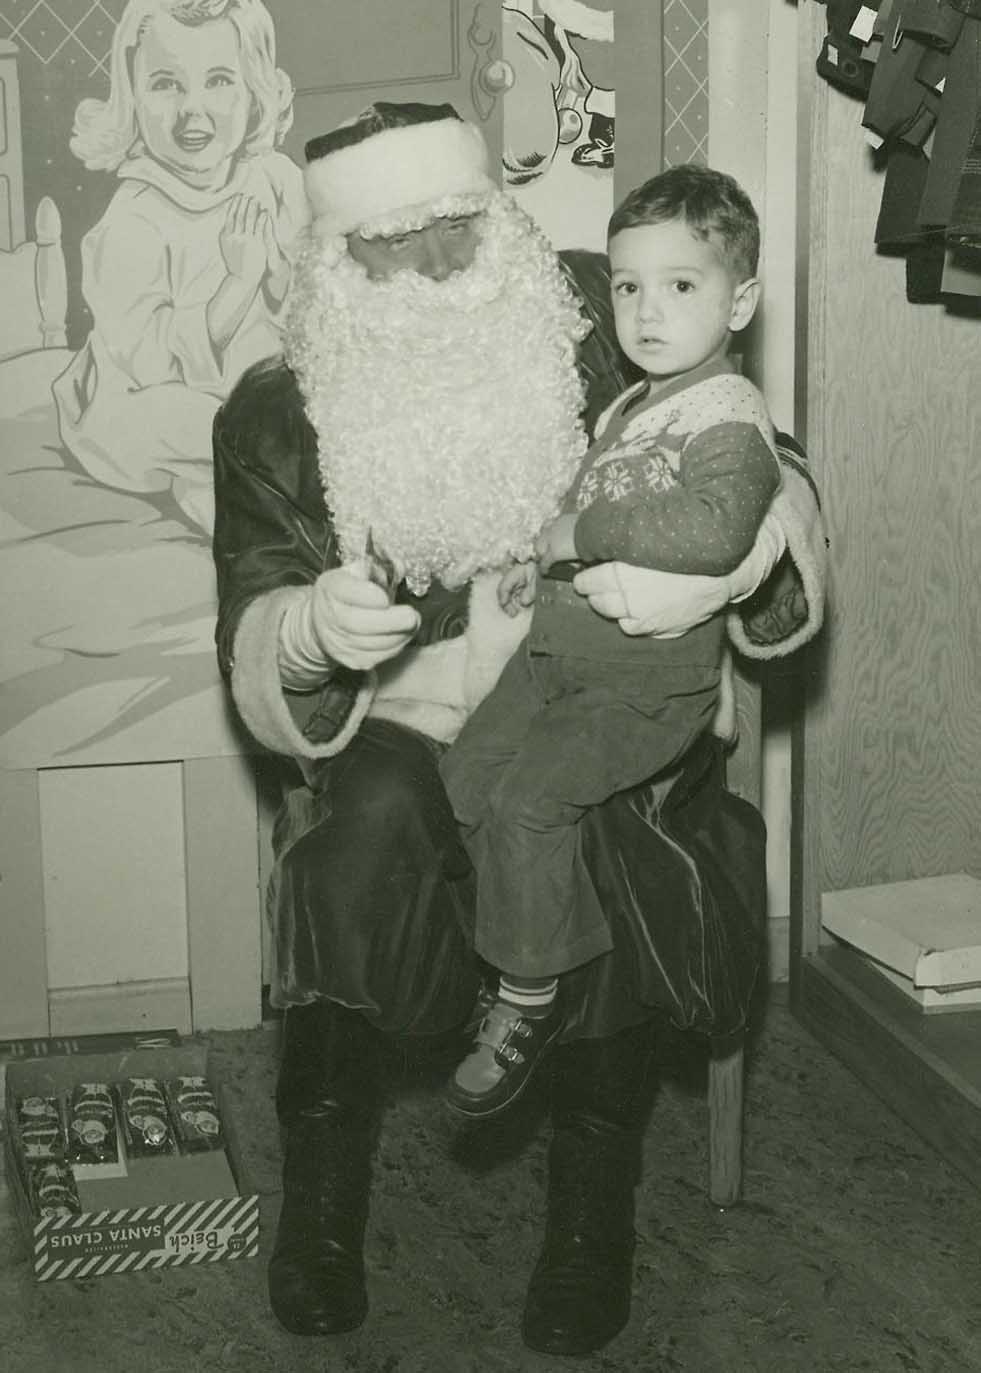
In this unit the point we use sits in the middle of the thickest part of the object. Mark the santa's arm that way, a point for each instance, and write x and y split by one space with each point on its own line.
776 593
786 608
272 541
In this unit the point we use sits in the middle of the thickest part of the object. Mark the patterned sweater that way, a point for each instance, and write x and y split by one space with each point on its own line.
679 481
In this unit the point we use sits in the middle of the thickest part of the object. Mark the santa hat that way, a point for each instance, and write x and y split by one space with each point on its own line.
392 165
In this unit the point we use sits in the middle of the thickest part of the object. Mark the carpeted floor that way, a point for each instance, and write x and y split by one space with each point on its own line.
856 1248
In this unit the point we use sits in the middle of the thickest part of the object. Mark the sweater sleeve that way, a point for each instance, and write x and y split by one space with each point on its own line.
705 524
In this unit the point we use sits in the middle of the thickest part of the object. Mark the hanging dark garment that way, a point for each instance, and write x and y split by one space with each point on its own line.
925 271
906 172
955 125
841 59
898 105
964 225
932 21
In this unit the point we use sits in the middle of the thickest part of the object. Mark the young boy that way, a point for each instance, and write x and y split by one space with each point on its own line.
679 477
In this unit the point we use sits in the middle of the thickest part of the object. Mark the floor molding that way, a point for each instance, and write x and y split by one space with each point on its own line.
120 1006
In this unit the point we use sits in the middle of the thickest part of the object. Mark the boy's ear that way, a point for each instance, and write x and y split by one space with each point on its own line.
745 299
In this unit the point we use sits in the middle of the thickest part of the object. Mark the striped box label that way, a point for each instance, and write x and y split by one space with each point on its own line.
128 1241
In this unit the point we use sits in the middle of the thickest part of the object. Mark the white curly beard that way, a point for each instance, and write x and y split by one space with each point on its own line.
447 413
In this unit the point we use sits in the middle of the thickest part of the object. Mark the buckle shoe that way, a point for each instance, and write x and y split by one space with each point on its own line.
507 1048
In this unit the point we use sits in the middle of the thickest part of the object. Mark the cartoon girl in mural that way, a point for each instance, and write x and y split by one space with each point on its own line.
560 56
187 272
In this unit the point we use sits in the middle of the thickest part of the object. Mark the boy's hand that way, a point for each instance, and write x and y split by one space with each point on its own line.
517 587
557 542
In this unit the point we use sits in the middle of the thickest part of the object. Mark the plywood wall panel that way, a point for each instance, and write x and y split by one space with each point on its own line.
895 421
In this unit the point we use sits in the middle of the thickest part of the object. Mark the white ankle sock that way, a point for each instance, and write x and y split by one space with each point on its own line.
528 998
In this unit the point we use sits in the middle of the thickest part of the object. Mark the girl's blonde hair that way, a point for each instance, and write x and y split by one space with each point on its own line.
106 132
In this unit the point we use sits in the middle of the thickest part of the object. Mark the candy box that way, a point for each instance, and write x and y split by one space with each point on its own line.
136 1210
61 1046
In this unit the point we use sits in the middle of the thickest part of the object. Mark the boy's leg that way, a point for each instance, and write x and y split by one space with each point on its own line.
537 910
538 913
484 750
489 740
525 1019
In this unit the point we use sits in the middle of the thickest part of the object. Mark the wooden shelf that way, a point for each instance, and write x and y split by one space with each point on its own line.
926 1067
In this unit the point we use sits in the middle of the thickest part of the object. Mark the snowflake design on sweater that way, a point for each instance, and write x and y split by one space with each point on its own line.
619 476
614 480
647 453
660 469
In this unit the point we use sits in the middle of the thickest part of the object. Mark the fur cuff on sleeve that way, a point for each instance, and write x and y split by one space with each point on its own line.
256 687
797 510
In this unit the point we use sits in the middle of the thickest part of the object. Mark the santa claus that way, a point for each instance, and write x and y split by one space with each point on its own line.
443 370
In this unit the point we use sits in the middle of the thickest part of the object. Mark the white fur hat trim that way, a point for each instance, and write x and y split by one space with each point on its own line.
394 171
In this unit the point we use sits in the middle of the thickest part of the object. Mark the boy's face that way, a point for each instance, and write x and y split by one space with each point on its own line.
675 301
192 103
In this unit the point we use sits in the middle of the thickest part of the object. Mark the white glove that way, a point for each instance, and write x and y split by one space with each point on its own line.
348 619
669 604
646 601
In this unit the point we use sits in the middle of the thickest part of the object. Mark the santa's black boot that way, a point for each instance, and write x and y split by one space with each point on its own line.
329 1100
579 1294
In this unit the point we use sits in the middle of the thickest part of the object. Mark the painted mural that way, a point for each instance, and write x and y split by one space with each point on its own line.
559 115
149 216
187 271
106 503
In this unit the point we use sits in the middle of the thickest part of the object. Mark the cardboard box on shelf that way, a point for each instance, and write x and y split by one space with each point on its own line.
930 1000
175 1208
927 929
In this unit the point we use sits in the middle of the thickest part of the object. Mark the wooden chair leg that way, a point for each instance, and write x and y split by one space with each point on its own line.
725 1109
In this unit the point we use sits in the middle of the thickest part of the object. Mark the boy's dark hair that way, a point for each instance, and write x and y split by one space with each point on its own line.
382 115
713 205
